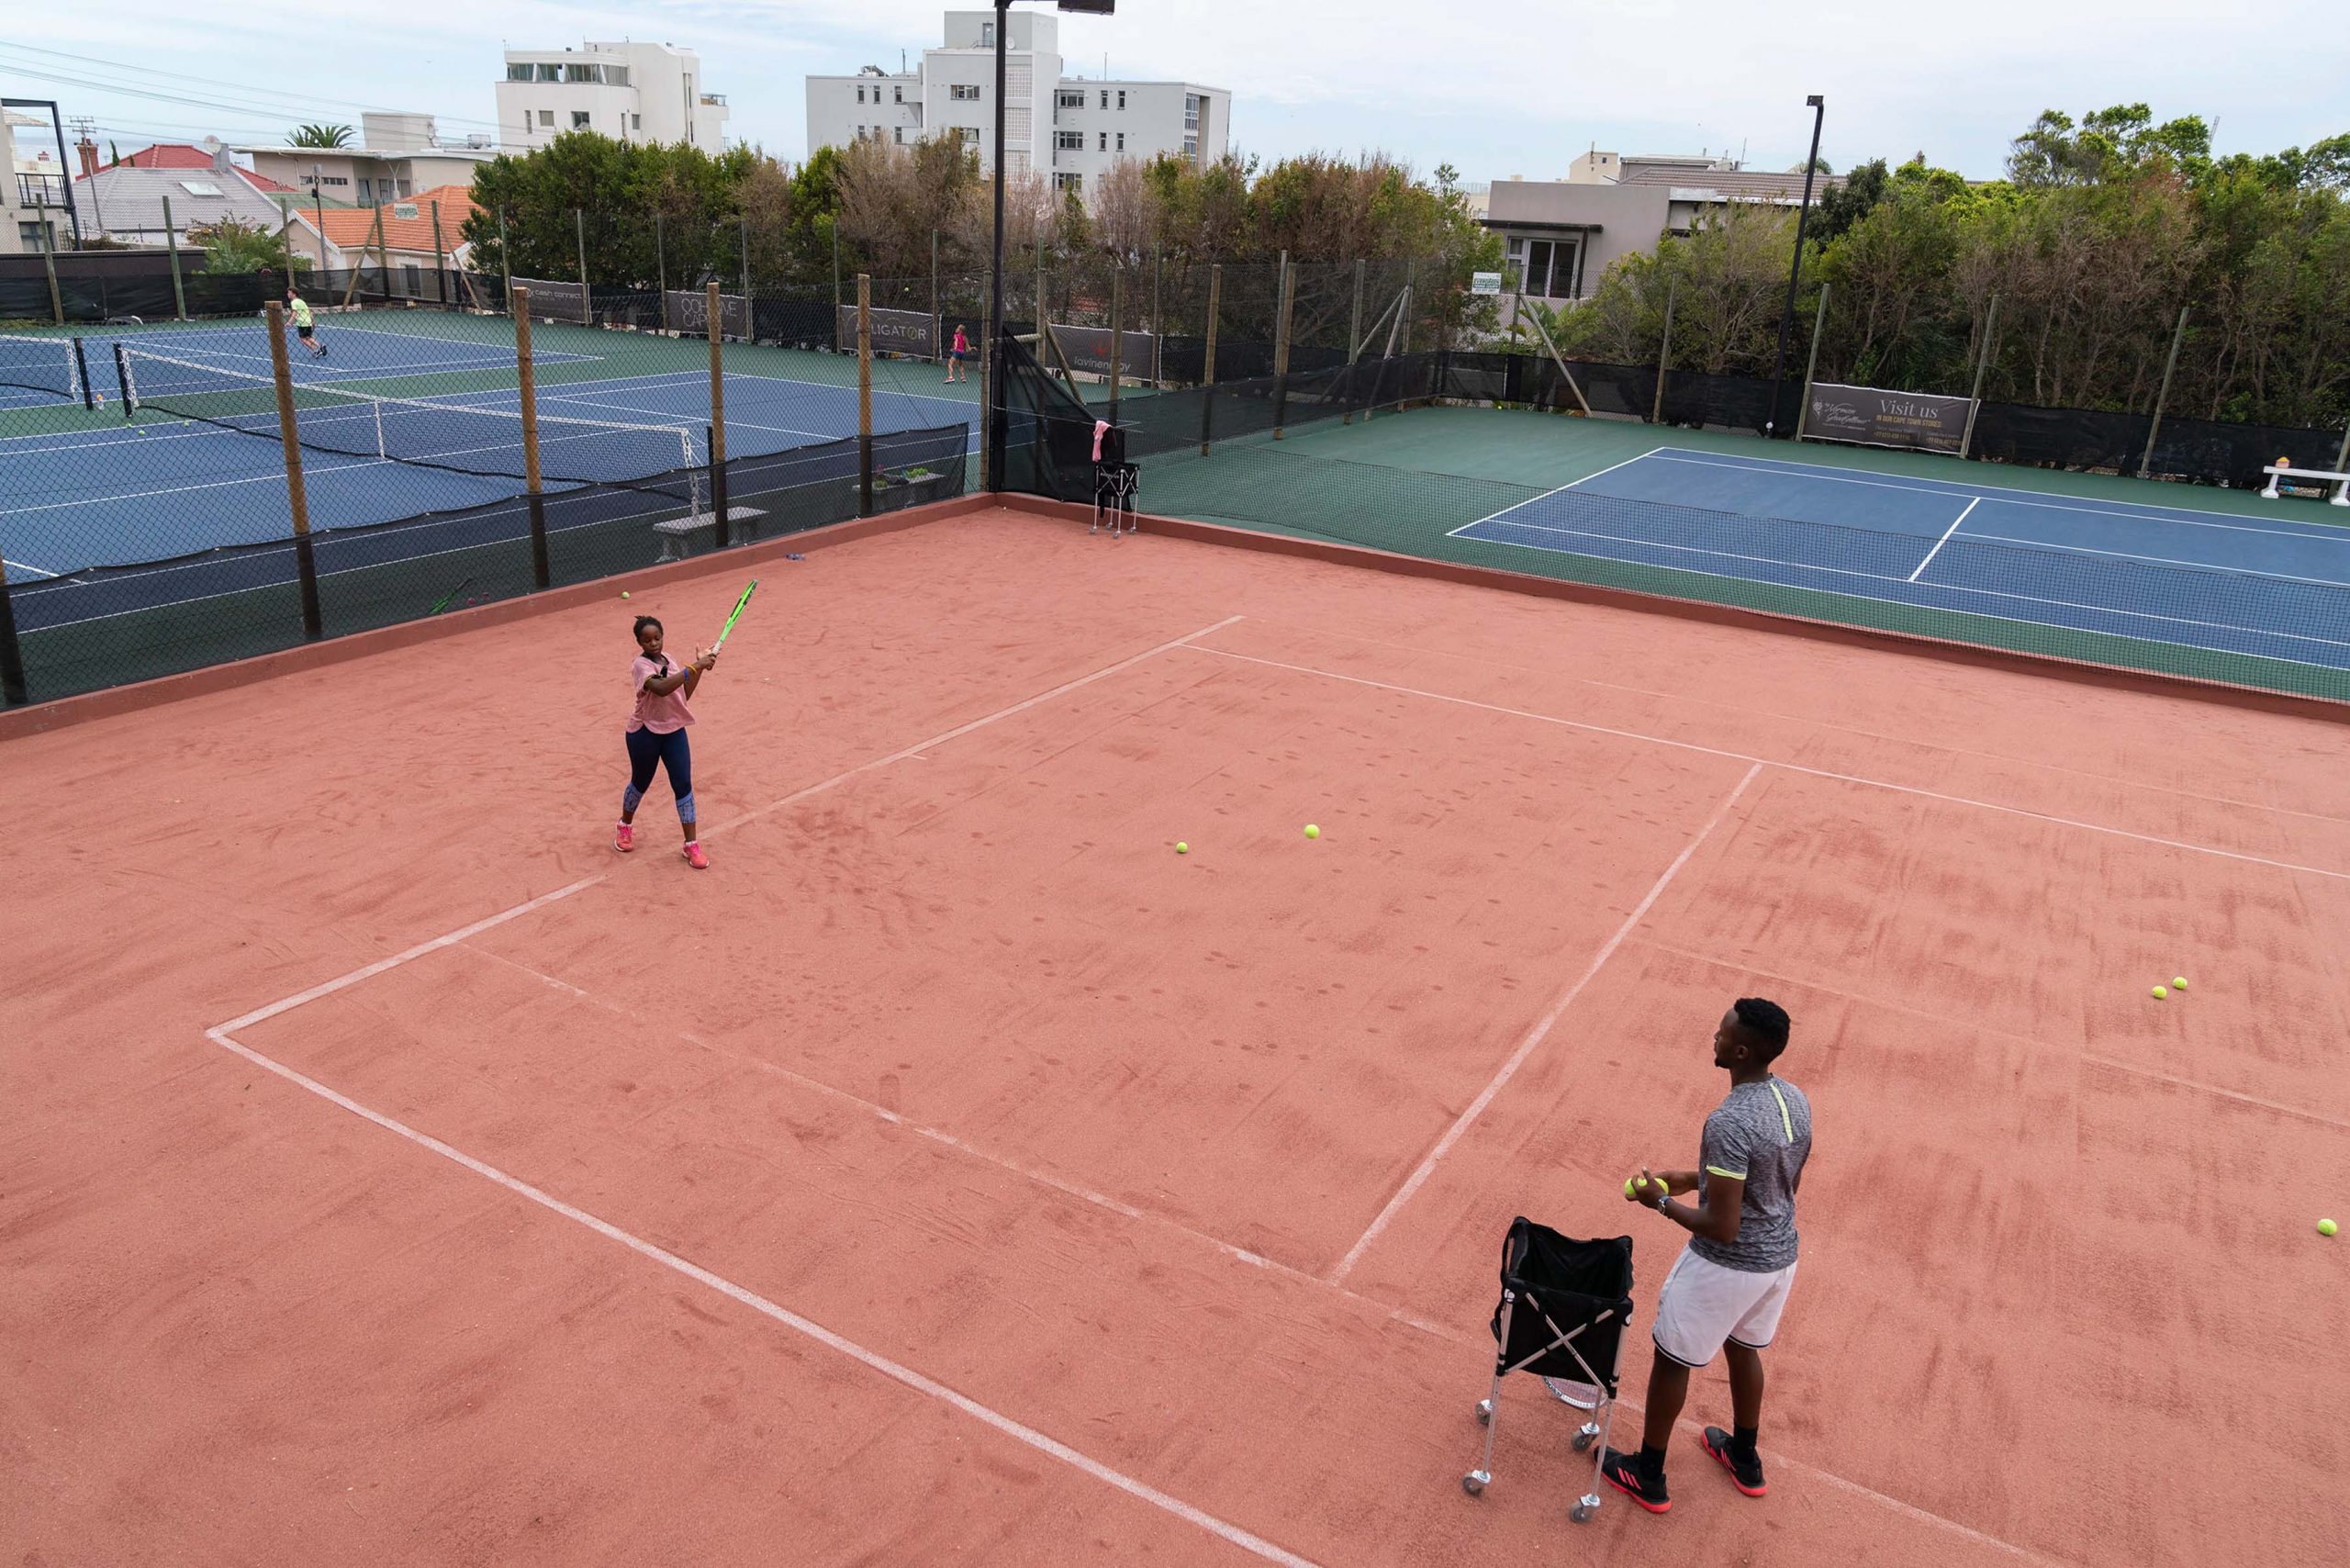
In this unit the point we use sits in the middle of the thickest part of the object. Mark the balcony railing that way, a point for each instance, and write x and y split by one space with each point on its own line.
40 190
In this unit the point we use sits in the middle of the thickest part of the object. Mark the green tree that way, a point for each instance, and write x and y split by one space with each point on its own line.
320 135
649 211
232 245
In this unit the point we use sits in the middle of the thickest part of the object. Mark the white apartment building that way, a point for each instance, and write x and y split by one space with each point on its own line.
1071 127
631 92
397 155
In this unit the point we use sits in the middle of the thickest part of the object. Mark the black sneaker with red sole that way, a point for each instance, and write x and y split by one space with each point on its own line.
1623 1471
1746 1474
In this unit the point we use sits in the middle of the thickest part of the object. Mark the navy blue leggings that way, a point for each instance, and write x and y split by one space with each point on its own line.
646 750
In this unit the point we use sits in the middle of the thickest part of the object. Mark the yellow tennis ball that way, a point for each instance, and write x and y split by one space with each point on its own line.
1181 848
2160 993
2326 1227
1313 831
624 593
1630 1182
2178 982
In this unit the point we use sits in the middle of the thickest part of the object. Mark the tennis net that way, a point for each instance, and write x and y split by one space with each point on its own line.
45 364
455 437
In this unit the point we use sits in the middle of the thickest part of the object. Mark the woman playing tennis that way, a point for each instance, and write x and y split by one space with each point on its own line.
656 735
956 370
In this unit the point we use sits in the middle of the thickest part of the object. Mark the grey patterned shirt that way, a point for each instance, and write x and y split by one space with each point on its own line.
1761 1134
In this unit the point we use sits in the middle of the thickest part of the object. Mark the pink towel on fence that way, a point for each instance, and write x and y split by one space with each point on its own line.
1101 428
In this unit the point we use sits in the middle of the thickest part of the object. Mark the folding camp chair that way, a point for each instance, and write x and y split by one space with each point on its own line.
1564 1305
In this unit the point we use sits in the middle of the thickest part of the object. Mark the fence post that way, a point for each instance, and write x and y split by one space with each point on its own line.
172 243
750 310
1811 366
505 262
837 278
527 392
439 260
987 393
13 690
586 293
1982 367
1207 378
306 562
1280 348
1664 352
383 257
2163 397
318 217
49 262
1354 346
938 323
661 265
1117 329
718 509
864 395
1157 322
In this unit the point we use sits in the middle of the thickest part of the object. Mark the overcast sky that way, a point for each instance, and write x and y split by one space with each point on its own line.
1493 89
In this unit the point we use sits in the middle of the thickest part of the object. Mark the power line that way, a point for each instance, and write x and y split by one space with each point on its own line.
220 102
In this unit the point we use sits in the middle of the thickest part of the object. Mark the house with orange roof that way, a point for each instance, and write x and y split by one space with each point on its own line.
417 235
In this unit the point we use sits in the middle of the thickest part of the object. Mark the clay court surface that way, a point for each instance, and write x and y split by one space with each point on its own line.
393 1173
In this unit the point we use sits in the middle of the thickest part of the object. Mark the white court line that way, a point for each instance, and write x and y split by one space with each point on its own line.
2187 517
1554 490
2213 569
839 1343
1787 767
1885 577
1535 1036
25 566
1945 539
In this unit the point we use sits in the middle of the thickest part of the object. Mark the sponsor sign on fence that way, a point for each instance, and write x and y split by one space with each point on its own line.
555 301
1874 417
690 313
913 332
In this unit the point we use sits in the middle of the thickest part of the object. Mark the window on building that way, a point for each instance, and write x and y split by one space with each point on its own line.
897 95
1122 141
1069 181
967 92
1070 101
987 35
367 191
1105 141
408 188
518 74
199 187
582 73
1191 147
31 235
636 122
1121 97
546 119
550 72
616 75
579 119
1190 111
860 92
1069 141
901 134
1106 97
970 134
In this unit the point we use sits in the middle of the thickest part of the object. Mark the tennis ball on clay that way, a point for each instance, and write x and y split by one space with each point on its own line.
624 593
2178 982
2160 992
2327 1228
1313 831
1181 848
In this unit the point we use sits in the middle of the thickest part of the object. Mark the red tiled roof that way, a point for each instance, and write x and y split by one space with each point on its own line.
353 226
169 155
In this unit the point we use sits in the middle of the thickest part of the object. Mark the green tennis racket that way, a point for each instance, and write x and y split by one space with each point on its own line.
739 605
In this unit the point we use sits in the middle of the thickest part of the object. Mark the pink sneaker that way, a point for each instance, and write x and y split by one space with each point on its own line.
694 858
624 838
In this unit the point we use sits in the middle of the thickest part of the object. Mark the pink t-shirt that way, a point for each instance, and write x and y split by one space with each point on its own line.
962 343
659 712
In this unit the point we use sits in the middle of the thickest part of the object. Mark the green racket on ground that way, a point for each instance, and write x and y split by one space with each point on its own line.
737 615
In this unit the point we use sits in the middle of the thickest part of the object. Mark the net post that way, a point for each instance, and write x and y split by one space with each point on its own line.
440 261
1982 368
1280 348
579 240
81 374
14 692
864 395
661 265
49 262
2179 334
527 390
306 562
1117 327
1207 369
1664 352
717 438
172 243
1811 363
124 385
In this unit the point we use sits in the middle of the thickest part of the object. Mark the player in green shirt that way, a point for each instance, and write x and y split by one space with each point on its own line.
304 327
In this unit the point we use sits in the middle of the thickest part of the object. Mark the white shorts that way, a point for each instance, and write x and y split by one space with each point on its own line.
1703 1303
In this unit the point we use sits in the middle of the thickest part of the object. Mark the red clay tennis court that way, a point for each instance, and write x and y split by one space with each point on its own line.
954 1172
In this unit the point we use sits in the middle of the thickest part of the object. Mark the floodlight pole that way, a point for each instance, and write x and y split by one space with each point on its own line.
1818 106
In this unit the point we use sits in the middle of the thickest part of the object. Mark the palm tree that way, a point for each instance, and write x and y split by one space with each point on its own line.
321 136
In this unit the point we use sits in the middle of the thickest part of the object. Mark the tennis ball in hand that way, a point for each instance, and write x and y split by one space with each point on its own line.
1313 831
2160 993
1181 848
2326 1227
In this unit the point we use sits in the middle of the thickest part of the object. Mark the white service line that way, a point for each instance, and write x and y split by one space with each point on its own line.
1943 539
22 567
1554 490
1246 1540
1787 767
1536 1035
